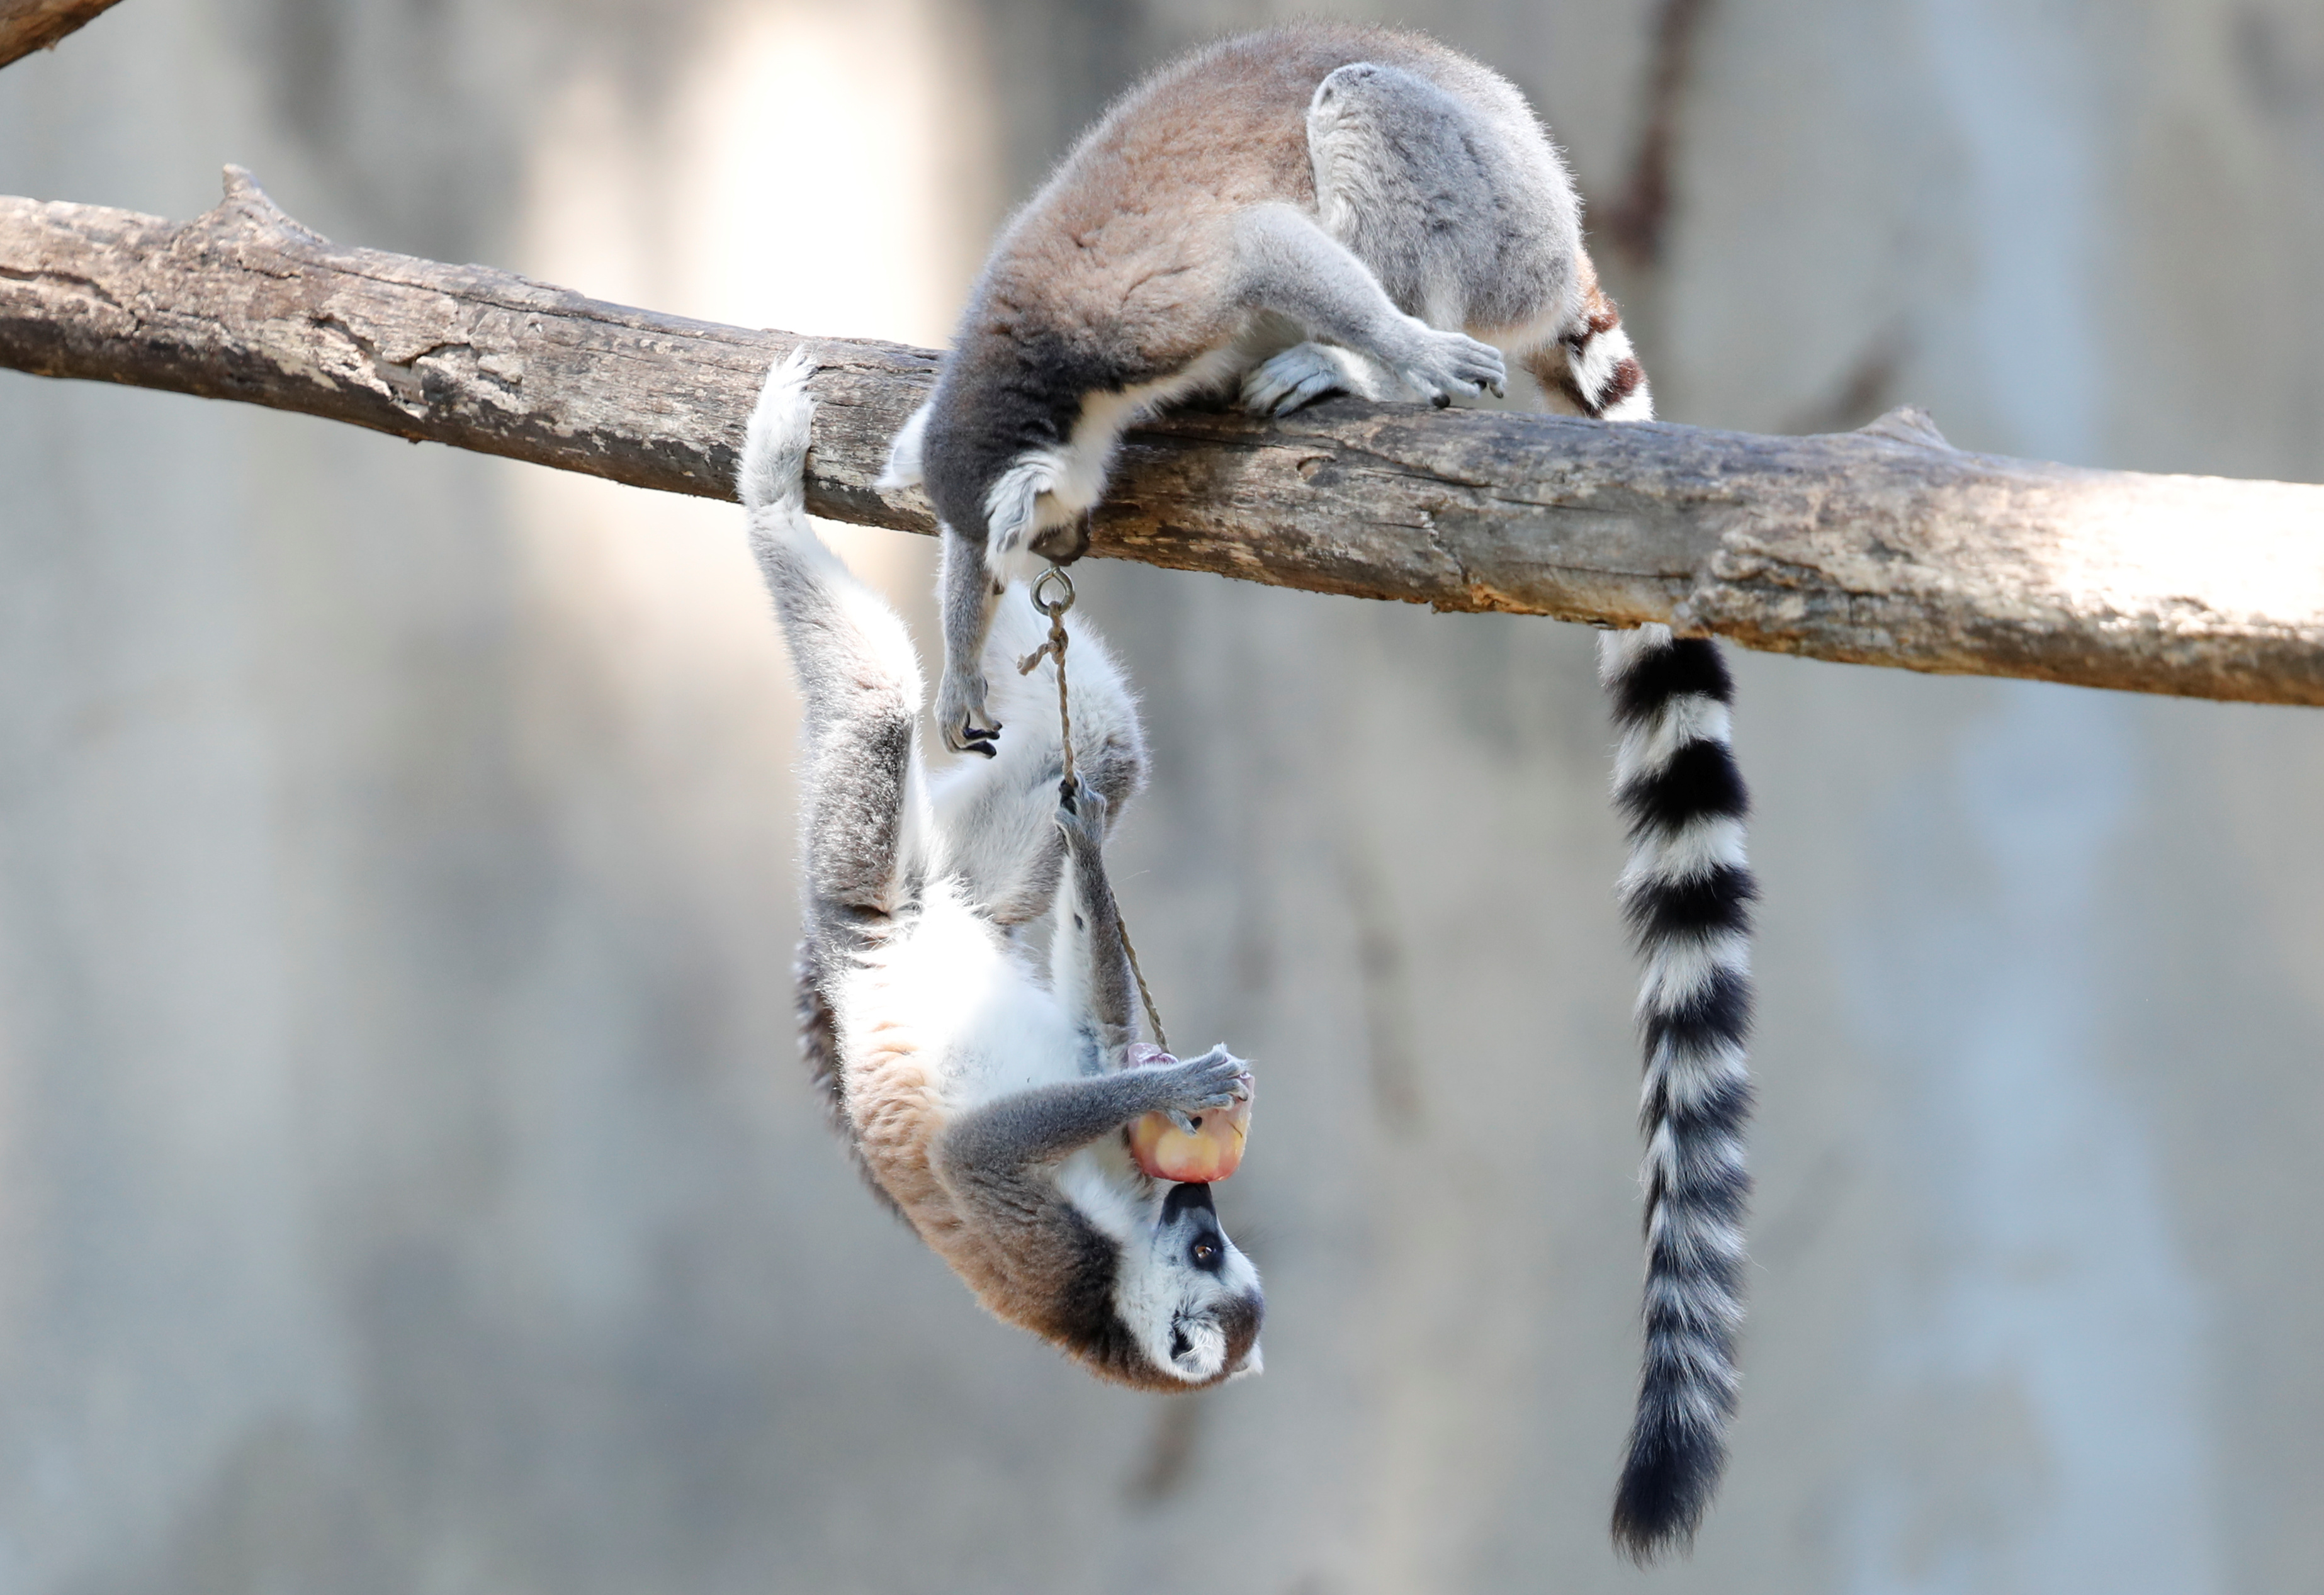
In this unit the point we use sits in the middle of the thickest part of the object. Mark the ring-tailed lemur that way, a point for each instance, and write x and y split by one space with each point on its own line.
984 1101
1327 208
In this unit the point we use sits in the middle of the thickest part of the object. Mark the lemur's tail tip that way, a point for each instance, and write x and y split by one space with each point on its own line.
1660 1501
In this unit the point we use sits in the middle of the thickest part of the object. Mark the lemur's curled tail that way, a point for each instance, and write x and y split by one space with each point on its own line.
1687 893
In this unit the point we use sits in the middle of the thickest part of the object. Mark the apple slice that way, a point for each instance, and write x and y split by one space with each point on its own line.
1167 1152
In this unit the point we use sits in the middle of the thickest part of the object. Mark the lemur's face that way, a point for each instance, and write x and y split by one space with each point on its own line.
1189 1296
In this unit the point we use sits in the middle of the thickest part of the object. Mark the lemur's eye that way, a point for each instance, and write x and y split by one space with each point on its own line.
1207 1255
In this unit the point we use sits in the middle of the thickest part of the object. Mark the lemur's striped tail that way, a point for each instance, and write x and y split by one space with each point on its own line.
1687 893
1597 371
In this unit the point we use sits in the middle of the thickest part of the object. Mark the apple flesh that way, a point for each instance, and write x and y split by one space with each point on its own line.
1167 1152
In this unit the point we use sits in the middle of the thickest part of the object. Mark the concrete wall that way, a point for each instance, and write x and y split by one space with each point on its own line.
405 1183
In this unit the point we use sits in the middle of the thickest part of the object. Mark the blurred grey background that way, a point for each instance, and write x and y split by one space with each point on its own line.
406 1181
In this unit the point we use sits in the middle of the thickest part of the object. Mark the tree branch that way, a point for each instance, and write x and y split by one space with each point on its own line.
1880 547
27 25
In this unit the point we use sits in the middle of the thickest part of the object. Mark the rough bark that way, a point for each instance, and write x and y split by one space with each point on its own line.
1879 547
27 25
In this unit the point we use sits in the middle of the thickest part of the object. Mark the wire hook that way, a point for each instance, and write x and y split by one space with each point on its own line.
1052 608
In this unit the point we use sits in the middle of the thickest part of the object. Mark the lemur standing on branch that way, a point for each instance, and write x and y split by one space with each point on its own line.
985 1101
1328 209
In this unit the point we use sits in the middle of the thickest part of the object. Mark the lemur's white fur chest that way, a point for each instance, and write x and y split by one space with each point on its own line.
948 1015
951 993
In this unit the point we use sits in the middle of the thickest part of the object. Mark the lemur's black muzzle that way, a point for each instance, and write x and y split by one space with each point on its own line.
1182 1198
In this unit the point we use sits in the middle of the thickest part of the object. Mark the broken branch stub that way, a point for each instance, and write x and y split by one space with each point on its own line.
27 25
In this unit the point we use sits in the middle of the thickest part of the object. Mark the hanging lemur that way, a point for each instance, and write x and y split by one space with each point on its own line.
984 1101
1328 209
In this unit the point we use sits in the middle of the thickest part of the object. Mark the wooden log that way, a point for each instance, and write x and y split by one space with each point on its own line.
1879 547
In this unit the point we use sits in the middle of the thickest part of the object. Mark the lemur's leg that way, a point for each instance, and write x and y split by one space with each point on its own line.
1457 207
999 815
1286 263
968 591
855 667
1089 966
965 592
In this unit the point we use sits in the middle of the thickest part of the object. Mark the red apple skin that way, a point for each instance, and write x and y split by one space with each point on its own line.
1164 1151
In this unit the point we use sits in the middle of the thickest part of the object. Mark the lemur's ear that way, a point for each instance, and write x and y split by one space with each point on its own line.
904 454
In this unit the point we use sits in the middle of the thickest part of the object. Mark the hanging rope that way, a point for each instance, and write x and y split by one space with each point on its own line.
1055 648
1055 579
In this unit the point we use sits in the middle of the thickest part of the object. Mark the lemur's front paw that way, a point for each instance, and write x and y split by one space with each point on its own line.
1080 815
1442 364
1301 374
1215 1080
961 717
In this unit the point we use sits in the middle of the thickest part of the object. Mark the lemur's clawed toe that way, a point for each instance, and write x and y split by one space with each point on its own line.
963 735
1081 814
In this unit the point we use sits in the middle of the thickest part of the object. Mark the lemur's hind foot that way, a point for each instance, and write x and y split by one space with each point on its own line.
1300 375
775 444
1080 816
